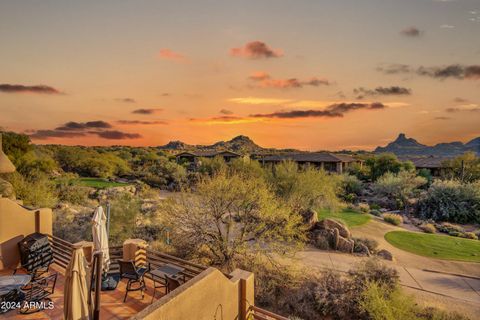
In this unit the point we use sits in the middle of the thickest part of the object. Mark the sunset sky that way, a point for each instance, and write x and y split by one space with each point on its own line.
338 74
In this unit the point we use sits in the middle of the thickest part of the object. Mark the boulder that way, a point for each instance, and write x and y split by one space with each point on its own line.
6 189
310 217
345 245
335 238
332 224
385 254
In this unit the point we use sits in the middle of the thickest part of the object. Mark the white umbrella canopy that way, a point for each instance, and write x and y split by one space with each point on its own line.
100 236
76 291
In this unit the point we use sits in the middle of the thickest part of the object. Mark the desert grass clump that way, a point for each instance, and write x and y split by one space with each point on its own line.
428 228
393 218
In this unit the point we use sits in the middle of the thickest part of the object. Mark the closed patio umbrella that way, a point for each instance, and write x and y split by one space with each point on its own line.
100 236
76 289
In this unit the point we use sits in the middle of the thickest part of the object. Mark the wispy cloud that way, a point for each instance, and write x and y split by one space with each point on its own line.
168 54
464 107
141 122
412 32
147 111
259 100
117 135
73 129
265 80
256 50
333 111
126 100
382 91
19 88
455 71
75 126
226 111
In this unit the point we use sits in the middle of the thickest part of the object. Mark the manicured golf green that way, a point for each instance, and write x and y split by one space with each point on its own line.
349 217
436 246
99 183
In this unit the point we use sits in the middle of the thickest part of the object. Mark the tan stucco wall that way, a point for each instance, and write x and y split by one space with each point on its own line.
15 223
210 295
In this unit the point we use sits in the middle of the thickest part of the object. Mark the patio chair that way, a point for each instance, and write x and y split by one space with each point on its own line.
37 294
172 283
135 276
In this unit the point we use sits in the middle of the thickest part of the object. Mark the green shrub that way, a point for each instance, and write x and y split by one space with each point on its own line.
451 201
428 228
393 218
449 228
351 184
371 244
375 212
381 304
375 206
36 191
399 187
70 191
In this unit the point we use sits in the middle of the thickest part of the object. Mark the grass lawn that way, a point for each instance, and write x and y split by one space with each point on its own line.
436 246
99 183
350 217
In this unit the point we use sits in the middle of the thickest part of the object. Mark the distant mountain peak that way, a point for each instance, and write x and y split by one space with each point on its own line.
240 144
404 146
403 140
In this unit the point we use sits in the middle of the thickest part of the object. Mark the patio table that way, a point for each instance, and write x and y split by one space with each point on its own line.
162 272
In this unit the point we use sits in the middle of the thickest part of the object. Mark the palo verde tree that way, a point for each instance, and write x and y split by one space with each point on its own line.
229 217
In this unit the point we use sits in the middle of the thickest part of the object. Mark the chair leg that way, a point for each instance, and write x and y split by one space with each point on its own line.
126 291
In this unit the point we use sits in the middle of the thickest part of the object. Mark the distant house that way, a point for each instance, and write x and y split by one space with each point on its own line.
328 161
435 164
193 156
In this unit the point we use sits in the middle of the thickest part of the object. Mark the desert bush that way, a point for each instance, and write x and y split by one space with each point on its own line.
123 216
363 207
451 201
428 228
381 304
371 244
449 228
307 189
465 168
469 235
375 212
393 218
382 164
35 191
350 184
231 217
70 191
73 226
400 186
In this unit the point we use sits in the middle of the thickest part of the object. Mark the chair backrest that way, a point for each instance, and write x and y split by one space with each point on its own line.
127 267
172 283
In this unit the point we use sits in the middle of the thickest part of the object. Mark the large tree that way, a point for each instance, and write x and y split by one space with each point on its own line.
228 218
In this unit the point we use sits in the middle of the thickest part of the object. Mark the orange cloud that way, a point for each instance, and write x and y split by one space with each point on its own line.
168 54
256 50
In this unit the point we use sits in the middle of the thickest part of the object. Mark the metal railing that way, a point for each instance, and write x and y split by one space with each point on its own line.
262 314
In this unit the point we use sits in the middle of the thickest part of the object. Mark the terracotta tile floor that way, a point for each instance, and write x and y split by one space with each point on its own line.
112 306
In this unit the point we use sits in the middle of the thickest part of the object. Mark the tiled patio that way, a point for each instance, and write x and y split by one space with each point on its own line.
112 306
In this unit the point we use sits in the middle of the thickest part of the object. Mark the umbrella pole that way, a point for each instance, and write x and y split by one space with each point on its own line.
108 220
